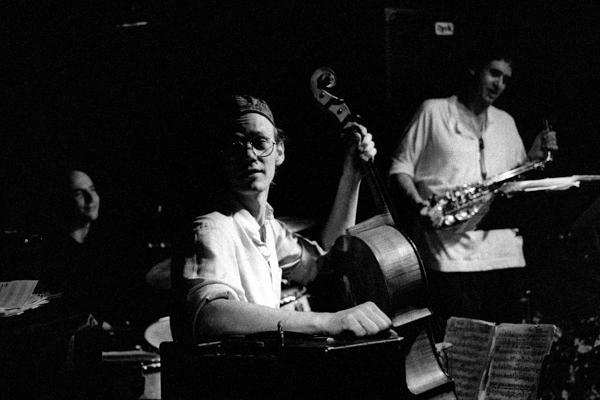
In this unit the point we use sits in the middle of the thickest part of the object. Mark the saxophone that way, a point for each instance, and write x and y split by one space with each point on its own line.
460 204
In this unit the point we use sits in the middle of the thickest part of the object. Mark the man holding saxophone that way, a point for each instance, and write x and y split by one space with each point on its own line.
457 141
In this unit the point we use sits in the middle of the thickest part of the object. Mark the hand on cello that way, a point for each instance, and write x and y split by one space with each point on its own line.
359 146
362 320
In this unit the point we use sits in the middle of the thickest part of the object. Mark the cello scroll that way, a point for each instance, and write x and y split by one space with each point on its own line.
322 79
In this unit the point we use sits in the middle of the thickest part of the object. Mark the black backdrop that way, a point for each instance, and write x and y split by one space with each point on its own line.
80 82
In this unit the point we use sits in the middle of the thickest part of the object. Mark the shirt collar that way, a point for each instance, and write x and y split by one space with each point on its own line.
459 125
232 206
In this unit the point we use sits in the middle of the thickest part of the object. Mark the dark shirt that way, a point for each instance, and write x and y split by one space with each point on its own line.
78 271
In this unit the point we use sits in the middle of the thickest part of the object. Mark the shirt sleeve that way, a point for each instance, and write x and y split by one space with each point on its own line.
298 256
408 151
211 272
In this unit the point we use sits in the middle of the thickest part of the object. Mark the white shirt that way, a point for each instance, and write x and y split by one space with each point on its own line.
240 260
440 150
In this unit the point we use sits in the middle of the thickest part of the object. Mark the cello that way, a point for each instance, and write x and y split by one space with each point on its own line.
375 261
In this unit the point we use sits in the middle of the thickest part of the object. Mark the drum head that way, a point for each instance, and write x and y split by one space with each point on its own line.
159 332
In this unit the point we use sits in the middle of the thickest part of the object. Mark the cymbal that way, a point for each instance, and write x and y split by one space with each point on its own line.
297 224
158 332
159 276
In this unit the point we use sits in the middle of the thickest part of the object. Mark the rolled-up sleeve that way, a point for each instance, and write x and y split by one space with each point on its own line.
300 256
211 272
408 151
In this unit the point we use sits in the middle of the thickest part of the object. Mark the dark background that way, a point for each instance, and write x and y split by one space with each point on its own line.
129 103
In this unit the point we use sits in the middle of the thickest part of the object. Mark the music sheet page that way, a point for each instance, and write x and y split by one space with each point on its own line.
468 357
14 294
516 362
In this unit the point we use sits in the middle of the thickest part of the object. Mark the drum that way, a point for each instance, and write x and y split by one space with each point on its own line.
155 334
151 373
131 373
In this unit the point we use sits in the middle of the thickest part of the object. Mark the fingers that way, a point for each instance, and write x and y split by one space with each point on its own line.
378 317
365 146
423 209
544 141
357 129
365 319
352 324
549 140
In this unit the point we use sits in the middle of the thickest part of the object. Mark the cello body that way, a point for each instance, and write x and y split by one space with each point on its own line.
376 262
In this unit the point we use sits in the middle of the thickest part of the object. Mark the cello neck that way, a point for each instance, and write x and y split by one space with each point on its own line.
323 79
381 198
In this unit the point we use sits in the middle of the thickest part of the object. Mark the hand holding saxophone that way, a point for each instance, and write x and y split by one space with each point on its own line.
544 143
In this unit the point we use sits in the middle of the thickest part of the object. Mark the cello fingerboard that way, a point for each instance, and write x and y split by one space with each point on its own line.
409 315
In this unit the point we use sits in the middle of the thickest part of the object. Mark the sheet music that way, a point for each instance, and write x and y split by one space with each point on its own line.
517 361
548 184
587 178
496 362
467 358
14 294
16 297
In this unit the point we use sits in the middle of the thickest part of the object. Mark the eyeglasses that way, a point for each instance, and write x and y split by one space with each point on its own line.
262 146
